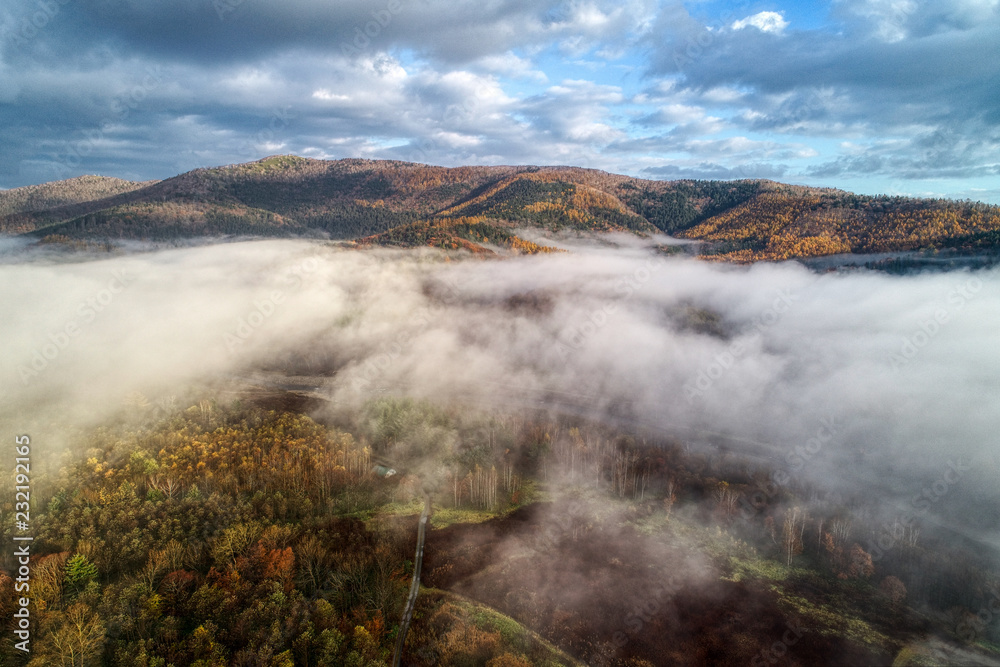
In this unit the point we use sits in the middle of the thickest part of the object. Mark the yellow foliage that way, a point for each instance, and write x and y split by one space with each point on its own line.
788 225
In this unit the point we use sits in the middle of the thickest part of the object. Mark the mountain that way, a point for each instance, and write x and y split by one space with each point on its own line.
395 203
33 201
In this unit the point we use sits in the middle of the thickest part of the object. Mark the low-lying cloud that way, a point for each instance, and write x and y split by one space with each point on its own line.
854 381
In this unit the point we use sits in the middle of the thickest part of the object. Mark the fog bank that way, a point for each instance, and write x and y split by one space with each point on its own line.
846 380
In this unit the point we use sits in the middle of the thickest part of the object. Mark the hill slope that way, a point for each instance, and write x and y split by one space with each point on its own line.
34 198
20 203
478 208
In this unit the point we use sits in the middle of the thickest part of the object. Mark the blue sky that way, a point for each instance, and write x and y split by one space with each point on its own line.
875 96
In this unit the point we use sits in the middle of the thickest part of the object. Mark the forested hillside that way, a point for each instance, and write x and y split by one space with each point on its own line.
61 193
475 234
234 534
785 222
240 536
24 209
399 203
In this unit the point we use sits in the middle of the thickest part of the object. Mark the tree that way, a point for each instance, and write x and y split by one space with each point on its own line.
315 563
855 563
726 499
860 563
893 588
508 660
234 541
670 497
75 638
79 573
7 598
792 530
47 581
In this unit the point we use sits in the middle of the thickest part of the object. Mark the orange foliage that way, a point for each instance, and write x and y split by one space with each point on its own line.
786 223
893 588
280 565
855 563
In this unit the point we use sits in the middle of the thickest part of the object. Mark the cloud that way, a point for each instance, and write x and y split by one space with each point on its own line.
512 65
674 114
932 74
930 154
772 22
896 20
569 81
226 31
574 111
902 365
739 149
887 19
713 171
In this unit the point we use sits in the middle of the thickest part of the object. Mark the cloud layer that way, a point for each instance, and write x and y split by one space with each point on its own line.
860 383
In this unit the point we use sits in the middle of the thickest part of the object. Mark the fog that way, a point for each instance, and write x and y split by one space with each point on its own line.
850 381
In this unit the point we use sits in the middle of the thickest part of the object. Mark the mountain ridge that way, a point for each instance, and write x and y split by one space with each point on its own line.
479 208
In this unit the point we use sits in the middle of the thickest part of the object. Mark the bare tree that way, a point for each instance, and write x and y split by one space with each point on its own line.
75 640
670 497
792 530
726 499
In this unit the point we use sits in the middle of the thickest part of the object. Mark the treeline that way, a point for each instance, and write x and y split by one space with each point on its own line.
238 536
437 233
778 225
61 242
468 461
290 195
350 221
213 538
744 221
478 230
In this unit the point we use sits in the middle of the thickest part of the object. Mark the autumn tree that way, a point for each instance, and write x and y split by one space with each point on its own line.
48 576
852 563
73 638
860 563
893 588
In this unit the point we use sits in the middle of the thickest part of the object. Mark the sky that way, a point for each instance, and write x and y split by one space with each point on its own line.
877 96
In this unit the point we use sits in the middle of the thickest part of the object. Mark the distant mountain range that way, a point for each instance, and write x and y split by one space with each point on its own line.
376 202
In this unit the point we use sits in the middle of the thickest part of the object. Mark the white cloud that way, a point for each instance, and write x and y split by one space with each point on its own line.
326 95
827 354
680 113
772 22
456 140
512 65
607 25
722 95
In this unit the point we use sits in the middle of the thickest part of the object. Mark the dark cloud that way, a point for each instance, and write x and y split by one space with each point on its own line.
146 90
948 154
868 164
895 69
225 31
